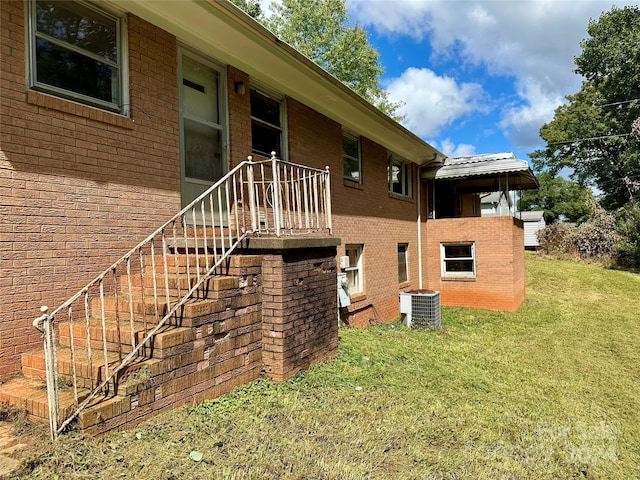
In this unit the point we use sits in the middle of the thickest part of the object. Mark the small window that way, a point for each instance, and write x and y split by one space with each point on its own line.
403 275
266 125
399 173
75 52
354 270
458 260
351 158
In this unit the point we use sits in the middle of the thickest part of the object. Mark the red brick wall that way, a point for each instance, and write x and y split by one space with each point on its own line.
362 213
78 186
299 310
239 117
499 252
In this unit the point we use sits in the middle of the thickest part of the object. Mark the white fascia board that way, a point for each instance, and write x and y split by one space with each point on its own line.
220 30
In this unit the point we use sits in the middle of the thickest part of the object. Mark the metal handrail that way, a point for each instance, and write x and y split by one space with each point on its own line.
236 206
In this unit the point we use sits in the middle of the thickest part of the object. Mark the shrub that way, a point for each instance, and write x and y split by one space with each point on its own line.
557 239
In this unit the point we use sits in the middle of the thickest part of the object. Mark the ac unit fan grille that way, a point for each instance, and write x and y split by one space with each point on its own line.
425 311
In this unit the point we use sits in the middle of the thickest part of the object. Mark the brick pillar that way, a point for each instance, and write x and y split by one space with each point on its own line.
299 303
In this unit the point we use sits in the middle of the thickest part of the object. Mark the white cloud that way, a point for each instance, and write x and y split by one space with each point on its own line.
431 101
521 122
532 41
450 149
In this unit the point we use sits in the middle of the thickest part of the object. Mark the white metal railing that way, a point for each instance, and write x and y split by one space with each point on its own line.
146 287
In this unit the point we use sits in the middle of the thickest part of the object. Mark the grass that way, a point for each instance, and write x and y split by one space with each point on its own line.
549 392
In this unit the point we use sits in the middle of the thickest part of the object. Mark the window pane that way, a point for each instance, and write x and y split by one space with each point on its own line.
264 108
459 266
265 139
75 72
200 90
351 168
350 146
458 251
77 25
402 263
202 151
354 281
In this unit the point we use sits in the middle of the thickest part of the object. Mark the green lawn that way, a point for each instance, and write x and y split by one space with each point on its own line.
552 391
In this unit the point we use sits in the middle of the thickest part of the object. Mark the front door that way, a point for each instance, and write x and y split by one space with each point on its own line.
203 135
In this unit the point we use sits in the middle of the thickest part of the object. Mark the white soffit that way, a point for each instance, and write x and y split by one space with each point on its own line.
218 29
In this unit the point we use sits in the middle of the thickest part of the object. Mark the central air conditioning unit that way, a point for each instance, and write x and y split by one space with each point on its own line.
420 308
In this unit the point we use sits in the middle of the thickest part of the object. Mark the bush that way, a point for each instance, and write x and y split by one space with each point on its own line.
604 237
557 239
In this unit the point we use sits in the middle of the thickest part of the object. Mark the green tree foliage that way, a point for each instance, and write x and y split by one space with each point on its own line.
560 199
252 7
591 134
320 30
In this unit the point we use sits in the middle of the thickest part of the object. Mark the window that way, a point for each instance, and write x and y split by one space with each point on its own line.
351 158
458 260
76 53
266 125
403 275
399 176
354 270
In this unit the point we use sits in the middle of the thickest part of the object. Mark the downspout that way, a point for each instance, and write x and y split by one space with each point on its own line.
419 230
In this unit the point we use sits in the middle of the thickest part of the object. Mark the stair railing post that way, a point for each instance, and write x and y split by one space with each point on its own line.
327 203
253 210
45 325
275 173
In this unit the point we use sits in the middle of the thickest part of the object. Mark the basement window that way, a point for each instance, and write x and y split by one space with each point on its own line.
458 260
354 270
75 52
403 275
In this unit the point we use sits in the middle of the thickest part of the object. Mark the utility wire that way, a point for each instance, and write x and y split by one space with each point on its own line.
589 138
618 103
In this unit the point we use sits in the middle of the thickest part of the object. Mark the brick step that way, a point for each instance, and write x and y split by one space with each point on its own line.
214 288
178 283
33 367
178 262
31 395
181 245
162 345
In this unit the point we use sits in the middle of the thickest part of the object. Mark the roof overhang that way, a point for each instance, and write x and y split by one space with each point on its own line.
223 32
486 173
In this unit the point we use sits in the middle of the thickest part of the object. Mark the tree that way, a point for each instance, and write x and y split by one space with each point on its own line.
320 30
558 198
251 7
591 134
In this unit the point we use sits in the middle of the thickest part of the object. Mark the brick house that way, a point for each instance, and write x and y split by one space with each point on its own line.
110 108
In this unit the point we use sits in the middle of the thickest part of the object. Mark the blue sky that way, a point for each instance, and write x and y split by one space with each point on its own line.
478 76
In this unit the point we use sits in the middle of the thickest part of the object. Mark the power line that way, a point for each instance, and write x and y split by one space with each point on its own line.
589 138
618 103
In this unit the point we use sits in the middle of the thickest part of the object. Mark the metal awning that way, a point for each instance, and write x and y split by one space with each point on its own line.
486 173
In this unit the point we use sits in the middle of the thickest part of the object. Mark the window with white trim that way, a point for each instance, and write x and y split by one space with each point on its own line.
354 270
399 172
458 260
403 272
75 51
266 124
351 158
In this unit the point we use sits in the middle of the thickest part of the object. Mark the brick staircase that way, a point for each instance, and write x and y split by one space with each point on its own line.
211 345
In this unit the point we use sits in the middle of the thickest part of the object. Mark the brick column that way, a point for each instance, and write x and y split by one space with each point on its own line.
299 303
